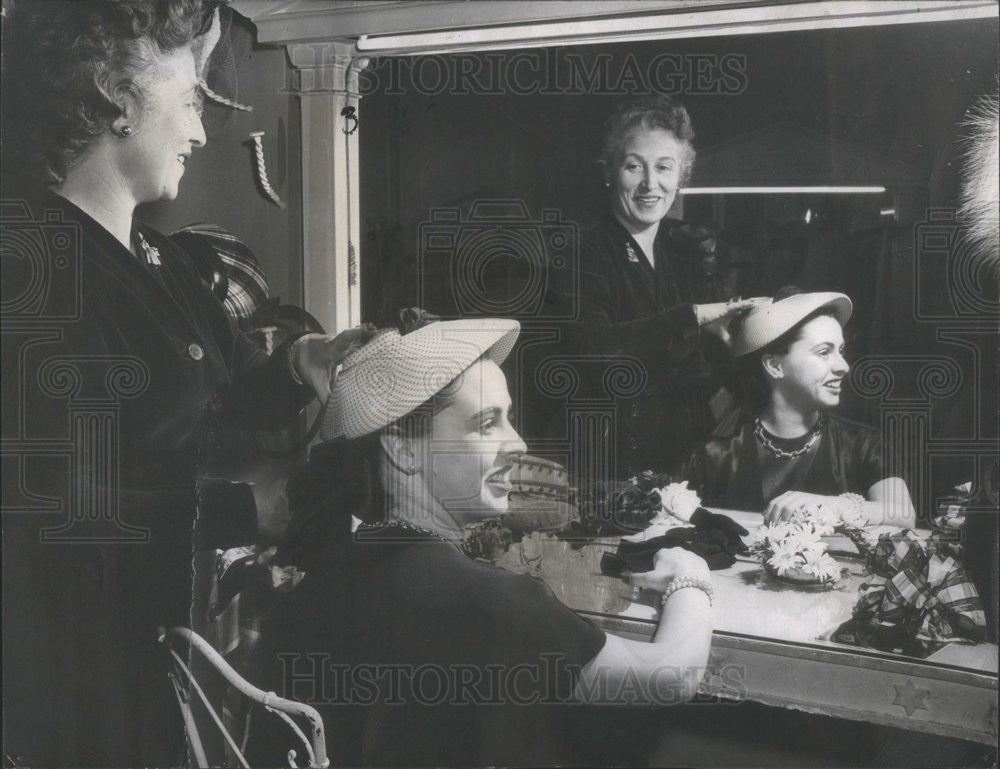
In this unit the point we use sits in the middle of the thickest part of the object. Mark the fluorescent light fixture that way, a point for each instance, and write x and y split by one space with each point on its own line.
785 17
826 190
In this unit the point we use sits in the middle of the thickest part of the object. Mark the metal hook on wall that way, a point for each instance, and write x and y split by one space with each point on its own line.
349 113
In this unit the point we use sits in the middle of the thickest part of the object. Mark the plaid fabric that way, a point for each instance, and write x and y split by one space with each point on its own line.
918 589
951 510
247 288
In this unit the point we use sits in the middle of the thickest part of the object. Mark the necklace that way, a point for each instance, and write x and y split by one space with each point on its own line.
396 523
762 435
152 252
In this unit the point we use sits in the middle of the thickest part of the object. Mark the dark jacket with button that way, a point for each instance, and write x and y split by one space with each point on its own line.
726 473
124 361
637 346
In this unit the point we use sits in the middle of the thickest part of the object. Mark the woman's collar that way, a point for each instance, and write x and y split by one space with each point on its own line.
418 507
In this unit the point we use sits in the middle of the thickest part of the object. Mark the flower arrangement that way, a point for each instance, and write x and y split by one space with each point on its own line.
677 501
794 549
614 507
627 507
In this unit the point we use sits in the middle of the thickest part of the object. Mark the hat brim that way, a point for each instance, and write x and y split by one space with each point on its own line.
769 322
393 374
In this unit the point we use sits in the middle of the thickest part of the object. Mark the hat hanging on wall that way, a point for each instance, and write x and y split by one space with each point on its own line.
213 248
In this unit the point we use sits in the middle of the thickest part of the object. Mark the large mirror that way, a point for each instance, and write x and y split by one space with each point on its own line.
826 159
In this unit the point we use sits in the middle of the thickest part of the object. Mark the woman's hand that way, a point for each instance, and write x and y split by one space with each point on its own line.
670 564
314 356
715 317
784 506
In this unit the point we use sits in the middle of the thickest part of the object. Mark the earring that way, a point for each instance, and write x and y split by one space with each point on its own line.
125 131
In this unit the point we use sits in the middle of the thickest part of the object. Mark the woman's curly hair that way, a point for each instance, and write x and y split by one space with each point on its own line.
69 66
662 113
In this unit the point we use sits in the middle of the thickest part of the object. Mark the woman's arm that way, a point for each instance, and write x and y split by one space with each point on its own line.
608 324
668 670
887 503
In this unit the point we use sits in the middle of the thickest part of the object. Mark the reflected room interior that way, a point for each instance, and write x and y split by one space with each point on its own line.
863 124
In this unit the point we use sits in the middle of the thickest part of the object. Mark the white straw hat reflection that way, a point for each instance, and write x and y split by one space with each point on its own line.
767 322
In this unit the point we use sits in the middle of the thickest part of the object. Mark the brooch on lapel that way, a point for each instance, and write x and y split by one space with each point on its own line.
631 253
152 252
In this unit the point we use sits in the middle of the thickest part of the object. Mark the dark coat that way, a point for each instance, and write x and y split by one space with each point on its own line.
629 311
725 470
109 374
396 601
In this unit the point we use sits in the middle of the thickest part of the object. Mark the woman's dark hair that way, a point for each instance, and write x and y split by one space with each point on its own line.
69 67
755 384
662 113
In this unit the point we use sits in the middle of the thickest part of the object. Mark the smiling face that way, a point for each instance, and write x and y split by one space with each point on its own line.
168 128
810 375
645 180
474 446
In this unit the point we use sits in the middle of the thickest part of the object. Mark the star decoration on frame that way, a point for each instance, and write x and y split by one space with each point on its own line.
910 697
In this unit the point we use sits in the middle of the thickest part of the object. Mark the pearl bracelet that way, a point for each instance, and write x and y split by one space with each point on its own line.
856 501
682 582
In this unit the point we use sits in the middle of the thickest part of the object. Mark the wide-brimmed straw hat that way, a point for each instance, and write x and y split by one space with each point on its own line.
767 322
394 373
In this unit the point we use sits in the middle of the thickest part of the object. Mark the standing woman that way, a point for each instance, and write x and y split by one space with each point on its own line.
104 107
628 301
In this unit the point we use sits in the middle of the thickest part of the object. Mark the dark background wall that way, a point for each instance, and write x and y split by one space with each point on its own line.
898 91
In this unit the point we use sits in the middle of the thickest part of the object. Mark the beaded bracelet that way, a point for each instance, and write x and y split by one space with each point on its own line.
682 582
856 501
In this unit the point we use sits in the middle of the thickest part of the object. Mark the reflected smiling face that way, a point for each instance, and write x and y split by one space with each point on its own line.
645 181
812 372
474 446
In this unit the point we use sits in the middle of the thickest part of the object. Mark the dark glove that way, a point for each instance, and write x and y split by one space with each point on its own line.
637 557
721 529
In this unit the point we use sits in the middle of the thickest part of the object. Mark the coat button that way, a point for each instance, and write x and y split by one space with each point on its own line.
195 351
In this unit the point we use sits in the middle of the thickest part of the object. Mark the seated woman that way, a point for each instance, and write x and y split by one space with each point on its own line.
414 653
786 451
